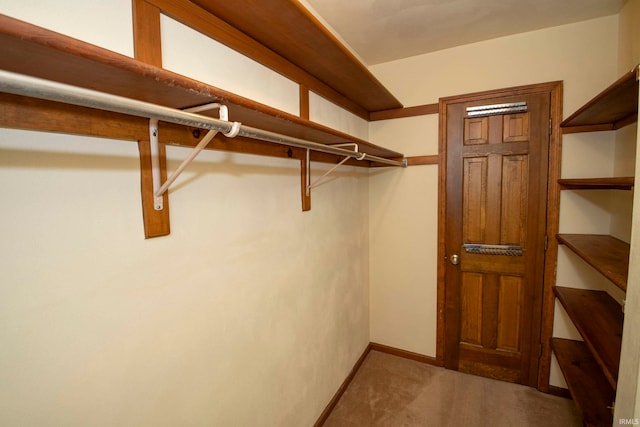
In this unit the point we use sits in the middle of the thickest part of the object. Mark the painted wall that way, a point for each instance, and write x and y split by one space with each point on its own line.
105 23
628 392
403 205
250 313
404 240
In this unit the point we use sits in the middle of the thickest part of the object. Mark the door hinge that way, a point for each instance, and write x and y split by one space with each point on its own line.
550 126
539 350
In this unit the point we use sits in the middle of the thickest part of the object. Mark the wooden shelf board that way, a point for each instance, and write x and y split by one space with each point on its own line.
608 255
599 319
37 52
302 43
616 106
618 183
590 391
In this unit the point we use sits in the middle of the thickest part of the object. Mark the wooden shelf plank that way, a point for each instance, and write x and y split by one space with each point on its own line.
37 52
613 108
599 319
608 255
618 183
301 43
589 389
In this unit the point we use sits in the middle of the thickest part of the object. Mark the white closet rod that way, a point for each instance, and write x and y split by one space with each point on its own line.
19 84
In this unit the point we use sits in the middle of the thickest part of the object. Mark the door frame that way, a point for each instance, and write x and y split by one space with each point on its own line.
540 373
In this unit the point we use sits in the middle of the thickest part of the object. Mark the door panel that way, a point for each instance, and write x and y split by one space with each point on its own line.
513 215
474 210
495 215
471 309
476 131
516 127
509 303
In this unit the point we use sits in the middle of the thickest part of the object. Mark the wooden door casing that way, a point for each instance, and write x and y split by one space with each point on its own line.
496 193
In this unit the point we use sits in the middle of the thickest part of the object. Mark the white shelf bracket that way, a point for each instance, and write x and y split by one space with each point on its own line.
158 189
309 185
158 202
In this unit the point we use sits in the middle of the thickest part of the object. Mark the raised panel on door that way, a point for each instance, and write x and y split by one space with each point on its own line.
471 291
509 305
474 210
515 196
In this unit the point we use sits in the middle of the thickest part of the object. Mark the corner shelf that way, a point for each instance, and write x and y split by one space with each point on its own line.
618 183
598 318
613 108
591 368
590 390
608 255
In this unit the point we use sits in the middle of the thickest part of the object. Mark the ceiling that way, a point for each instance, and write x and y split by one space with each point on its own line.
385 30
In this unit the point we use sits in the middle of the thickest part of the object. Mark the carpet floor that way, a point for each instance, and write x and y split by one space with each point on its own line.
393 391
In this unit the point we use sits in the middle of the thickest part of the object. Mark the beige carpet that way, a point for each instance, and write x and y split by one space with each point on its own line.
392 391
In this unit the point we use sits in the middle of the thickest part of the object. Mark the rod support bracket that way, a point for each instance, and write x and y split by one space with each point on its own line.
235 128
158 200
158 188
309 185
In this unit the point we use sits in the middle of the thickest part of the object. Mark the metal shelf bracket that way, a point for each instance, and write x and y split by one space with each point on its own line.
309 185
158 188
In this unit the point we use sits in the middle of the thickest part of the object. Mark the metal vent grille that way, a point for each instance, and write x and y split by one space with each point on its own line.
506 250
492 110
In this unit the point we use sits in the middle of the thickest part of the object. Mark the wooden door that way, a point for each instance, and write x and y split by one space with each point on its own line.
496 192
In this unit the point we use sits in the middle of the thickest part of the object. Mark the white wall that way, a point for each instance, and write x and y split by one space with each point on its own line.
105 23
403 213
250 313
188 52
404 241
628 392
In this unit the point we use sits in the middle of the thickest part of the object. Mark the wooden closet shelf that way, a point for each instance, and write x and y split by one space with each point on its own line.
307 44
608 255
613 108
599 319
37 52
590 390
618 183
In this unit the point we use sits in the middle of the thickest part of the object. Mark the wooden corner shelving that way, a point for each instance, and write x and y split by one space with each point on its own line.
591 368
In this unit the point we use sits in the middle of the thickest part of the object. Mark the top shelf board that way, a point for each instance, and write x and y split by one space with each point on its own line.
307 44
37 52
613 108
